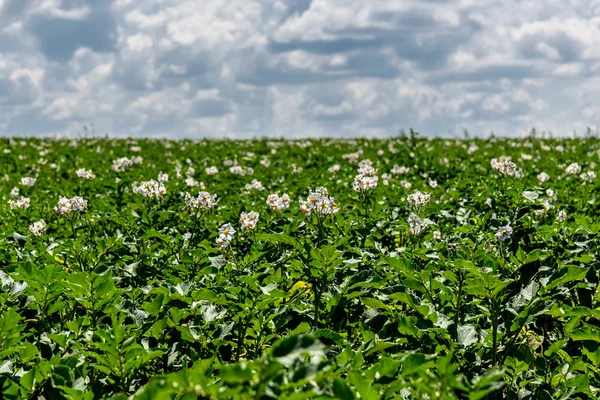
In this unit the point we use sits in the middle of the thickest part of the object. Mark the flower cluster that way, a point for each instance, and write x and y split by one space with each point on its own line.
334 168
363 183
319 202
226 233
163 177
191 182
238 170
543 177
37 228
150 189
255 185
278 203
504 232
27 181
418 199
561 216
205 201
506 167
121 164
396 170
66 205
23 203
353 157
589 176
249 220
86 174
365 167
211 170
416 225
573 169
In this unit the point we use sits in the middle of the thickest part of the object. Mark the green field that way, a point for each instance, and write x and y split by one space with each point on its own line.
449 269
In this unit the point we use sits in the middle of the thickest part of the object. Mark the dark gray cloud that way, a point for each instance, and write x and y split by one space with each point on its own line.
61 33
294 67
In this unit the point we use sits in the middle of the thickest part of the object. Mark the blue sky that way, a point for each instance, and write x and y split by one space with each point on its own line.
298 68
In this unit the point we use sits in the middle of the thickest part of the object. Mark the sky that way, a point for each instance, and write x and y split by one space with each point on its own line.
298 68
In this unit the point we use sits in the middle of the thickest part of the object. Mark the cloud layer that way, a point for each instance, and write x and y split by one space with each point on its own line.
242 68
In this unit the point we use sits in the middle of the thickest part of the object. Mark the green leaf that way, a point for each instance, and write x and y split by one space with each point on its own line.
569 274
466 335
239 373
341 390
328 334
531 196
586 332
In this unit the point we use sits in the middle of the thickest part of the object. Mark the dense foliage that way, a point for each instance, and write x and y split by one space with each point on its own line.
446 269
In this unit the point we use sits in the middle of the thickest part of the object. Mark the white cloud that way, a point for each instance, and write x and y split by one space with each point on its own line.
298 67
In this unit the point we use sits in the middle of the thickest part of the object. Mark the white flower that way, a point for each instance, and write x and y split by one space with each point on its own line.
561 216
319 202
265 162
190 172
255 185
151 189
589 176
249 220
121 164
352 157
86 174
437 235
23 203
418 199
137 160
506 167
433 184
549 192
191 182
278 203
226 232
14 192
504 232
417 225
220 242
414 219
163 177
66 206
543 177
365 167
211 170
27 181
363 183
37 228
237 170
205 201
334 168
405 184
472 149
573 169
396 170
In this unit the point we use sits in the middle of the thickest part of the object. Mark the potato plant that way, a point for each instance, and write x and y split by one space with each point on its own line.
404 268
